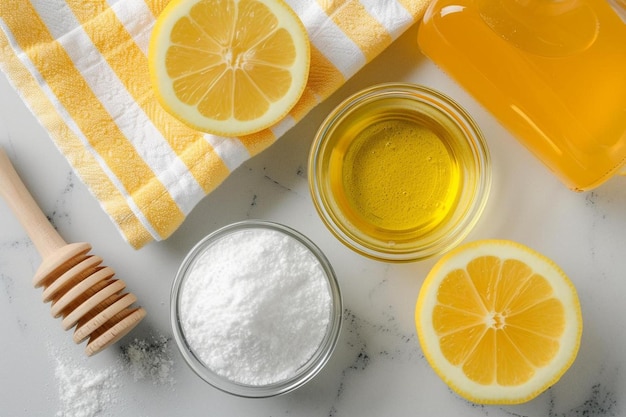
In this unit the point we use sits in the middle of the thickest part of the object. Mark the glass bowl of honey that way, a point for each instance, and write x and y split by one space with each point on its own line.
399 172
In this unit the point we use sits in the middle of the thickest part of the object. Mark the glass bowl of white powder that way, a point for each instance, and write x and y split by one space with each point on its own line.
256 309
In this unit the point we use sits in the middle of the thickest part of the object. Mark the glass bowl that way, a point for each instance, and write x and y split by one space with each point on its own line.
204 253
399 172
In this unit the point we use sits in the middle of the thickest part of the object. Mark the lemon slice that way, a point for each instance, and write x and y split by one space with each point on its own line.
498 322
228 67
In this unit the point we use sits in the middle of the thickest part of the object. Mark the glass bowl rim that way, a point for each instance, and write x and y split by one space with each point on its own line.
313 365
453 112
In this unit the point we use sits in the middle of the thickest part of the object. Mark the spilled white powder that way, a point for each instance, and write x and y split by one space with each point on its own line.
88 391
255 306
84 392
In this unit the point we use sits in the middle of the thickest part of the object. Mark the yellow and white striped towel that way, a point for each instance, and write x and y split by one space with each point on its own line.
81 67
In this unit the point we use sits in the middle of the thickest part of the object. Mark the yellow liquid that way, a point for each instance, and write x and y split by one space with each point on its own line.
553 72
394 174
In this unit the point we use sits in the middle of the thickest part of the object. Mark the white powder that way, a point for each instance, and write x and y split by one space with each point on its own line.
84 392
255 306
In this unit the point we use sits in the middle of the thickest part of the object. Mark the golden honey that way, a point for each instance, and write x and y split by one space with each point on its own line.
394 173
399 172
552 72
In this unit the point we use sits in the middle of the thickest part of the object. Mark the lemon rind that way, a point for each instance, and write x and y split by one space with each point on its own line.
453 376
231 127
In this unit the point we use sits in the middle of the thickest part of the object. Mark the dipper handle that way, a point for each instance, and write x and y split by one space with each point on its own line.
80 289
41 232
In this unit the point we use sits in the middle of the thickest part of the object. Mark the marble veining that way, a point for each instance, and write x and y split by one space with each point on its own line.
60 214
391 344
600 401
8 286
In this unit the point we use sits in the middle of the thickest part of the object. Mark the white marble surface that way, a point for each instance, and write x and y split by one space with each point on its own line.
378 368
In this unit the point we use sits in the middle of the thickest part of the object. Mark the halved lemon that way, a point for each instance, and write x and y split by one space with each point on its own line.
229 67
498 322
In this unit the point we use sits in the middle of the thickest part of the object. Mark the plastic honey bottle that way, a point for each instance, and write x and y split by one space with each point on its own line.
553 72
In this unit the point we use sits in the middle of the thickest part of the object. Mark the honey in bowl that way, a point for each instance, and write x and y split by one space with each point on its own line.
399 172
395 175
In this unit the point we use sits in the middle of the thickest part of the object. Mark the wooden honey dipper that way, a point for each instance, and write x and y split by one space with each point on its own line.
82 291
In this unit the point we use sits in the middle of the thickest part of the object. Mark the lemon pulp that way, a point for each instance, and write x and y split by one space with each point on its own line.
499 322
229 67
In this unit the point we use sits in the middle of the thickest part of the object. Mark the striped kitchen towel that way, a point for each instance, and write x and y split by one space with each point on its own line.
81 67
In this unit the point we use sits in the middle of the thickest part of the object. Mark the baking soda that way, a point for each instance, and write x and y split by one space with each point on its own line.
88 391
255 306
84 392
